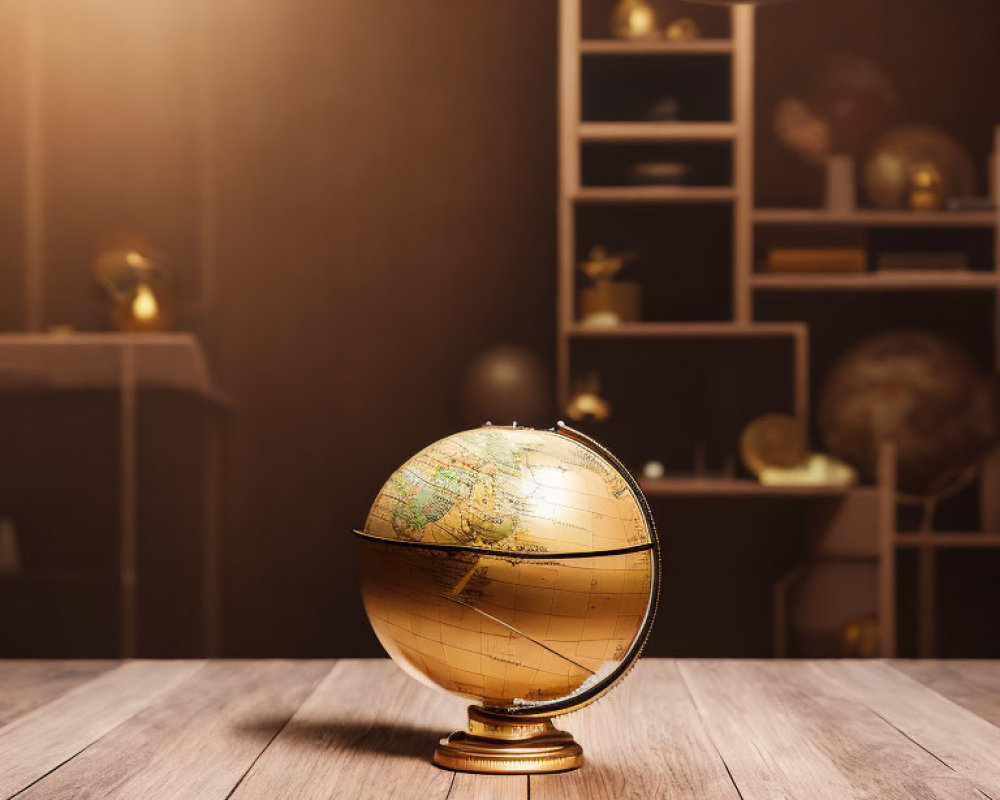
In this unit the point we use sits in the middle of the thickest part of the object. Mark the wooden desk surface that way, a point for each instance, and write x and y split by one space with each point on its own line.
322 729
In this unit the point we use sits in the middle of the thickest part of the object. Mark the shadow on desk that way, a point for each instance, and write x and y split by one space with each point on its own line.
402 741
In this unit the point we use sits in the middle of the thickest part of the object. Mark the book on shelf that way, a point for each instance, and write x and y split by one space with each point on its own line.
815 259
923 261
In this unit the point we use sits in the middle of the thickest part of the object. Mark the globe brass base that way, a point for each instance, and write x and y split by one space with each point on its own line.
498 744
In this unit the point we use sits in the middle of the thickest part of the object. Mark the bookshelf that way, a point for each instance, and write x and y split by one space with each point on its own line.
744 305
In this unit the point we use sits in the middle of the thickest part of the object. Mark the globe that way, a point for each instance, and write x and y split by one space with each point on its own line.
518 568
921 391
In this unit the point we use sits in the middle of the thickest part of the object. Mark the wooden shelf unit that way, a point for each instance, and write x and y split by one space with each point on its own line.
874 506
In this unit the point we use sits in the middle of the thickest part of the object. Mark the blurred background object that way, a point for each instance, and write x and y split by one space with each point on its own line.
920 391
138 283
917 167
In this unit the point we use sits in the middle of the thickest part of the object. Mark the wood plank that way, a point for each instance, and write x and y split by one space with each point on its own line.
488 787
656 131
368 730
964 741
874 217
785 729
196 741
973 684
27 684
38 742
644 739
655 47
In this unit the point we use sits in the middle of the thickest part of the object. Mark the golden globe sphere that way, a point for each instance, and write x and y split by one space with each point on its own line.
518 568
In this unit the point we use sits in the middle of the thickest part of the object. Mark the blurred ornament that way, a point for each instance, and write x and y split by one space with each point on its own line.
506 384
586 403
818 469
658 173
608 301
847 104
917 167
666 109
919 390
633 19
139 283
654 470
773 440
859 638
683 29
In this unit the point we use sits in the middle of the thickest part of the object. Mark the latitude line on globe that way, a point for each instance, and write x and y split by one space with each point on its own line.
516 630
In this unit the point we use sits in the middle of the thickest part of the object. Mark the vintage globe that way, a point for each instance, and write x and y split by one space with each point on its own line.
514 567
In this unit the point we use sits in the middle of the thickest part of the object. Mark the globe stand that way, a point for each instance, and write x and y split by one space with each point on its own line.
505 744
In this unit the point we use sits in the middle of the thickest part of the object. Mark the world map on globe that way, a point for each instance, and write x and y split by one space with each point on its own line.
511 566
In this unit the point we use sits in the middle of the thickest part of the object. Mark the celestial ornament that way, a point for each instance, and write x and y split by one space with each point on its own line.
139 284
922 392
917 167
633 19
506 383
518 568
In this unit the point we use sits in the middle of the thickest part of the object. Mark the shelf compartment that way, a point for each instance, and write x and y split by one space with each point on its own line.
875 218
685 390
635 164
656 131
655 47
664 88
876 281
679 255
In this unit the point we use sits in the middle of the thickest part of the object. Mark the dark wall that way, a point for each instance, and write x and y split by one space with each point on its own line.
356 198
387 202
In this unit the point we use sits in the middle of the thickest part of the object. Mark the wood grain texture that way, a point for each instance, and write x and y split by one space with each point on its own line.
367 731
963 741
975 685
196 741
786 729
38 742
643 740
27 684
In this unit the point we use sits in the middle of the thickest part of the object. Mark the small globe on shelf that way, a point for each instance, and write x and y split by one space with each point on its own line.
517 568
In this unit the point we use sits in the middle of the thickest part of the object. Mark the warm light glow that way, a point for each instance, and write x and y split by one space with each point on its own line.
135 259
144 305
640 20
